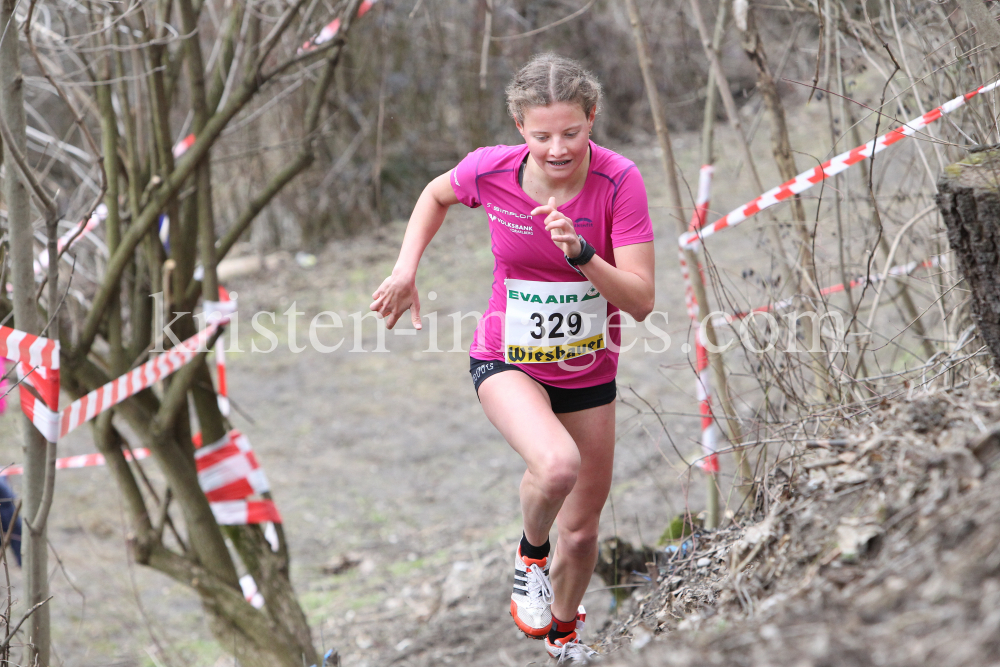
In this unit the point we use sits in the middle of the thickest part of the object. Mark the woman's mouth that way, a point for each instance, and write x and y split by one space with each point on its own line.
559 163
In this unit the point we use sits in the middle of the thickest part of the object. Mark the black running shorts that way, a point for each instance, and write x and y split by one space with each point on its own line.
563 400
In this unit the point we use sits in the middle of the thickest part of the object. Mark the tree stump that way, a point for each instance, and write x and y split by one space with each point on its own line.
969 200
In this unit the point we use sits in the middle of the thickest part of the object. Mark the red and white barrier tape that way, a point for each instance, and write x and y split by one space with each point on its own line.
331 29
228 469
244 512
229 475
81 461
100 215
709 436
699 231
250 592
38 369
697 220
225 306
896 271
37 363
181 146
87 407
832 167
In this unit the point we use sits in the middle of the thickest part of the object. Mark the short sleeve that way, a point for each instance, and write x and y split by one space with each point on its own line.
463 178
630 222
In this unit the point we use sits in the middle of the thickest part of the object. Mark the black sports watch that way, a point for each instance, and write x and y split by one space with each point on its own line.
587 253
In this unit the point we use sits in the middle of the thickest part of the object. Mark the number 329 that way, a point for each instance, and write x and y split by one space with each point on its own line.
574 322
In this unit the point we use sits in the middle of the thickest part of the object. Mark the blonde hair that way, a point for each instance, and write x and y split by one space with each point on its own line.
550 78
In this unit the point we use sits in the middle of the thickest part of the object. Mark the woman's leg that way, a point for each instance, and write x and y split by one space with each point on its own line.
570 458
520 409
593 431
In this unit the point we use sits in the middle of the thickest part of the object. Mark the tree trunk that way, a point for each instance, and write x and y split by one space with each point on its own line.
969 200
26 319
278 635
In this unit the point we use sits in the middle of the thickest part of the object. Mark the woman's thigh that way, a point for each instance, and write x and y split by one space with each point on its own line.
520 409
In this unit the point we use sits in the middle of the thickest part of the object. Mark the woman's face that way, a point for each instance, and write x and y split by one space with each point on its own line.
558 138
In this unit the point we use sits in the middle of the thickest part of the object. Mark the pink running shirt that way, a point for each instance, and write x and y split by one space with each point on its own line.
610 211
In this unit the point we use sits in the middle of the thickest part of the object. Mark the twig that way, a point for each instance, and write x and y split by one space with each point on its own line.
21 622
888 261
77 118
25 169
484 56
55 311
536 31
662 425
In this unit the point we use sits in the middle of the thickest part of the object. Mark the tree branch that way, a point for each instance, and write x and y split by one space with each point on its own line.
257 204
21 622
29 174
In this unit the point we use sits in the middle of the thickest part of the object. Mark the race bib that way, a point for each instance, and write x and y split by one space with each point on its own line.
550 322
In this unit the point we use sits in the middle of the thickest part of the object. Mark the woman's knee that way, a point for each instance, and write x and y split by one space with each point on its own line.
557 474
581 541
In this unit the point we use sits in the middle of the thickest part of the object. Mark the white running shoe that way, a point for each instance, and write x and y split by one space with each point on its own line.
571 651
532 595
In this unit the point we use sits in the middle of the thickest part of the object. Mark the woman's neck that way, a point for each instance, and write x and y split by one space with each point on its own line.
540 187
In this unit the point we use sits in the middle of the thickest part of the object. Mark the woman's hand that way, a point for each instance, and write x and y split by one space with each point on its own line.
560 228
394 296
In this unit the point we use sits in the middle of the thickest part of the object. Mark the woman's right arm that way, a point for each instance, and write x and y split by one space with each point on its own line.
398 292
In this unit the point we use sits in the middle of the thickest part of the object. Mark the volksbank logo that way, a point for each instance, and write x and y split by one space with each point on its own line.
515 295
494 216
527 230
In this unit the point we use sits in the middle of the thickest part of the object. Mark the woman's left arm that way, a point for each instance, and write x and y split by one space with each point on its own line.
629 285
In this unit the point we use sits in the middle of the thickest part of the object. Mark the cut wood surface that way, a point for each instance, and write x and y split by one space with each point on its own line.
969 199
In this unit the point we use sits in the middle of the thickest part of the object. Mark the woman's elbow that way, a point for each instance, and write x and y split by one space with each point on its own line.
641 310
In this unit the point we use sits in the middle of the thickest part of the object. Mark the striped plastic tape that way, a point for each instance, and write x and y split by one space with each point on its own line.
87 407
229 474
38 368
72 237
832 167
331 29
81 461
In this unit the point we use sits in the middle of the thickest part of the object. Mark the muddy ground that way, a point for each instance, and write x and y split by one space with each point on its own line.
399 500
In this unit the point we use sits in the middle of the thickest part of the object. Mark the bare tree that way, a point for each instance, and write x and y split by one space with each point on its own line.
152 82
19 225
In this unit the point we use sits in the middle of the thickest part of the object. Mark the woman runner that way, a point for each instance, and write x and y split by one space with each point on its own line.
573 244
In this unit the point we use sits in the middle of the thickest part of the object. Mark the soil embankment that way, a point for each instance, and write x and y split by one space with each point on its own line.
884 550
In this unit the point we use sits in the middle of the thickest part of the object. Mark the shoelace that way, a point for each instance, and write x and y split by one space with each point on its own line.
574 652
539 586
